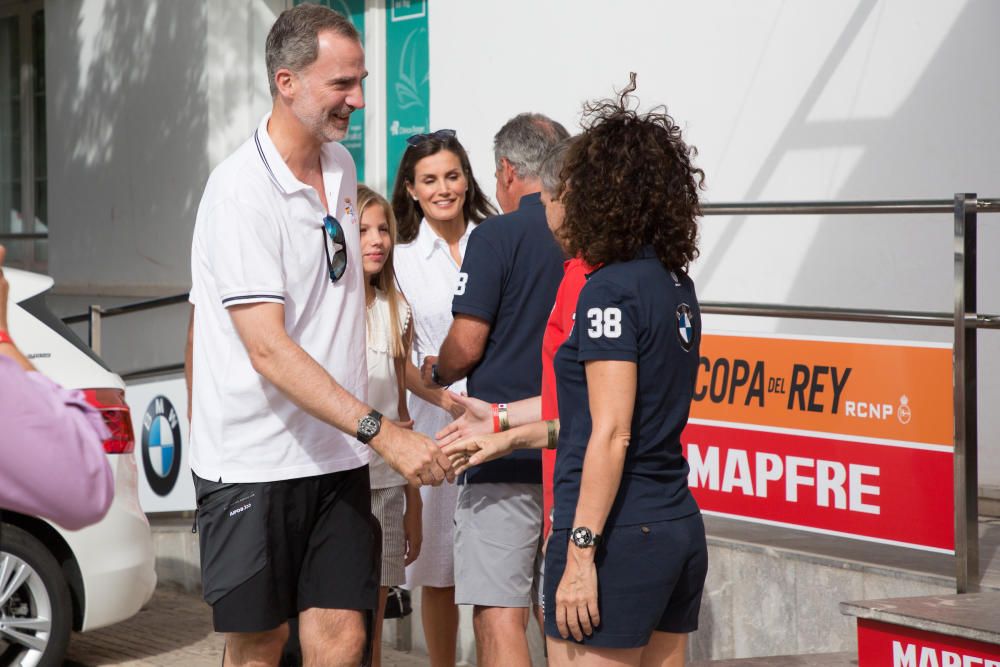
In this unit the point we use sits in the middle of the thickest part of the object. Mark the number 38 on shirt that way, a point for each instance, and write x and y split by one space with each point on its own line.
604 322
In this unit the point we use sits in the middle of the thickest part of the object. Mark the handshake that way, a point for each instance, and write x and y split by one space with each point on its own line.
423 461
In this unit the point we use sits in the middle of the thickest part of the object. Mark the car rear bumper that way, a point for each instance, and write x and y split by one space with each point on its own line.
115 556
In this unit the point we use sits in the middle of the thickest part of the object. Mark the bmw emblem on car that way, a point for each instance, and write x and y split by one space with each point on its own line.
161 445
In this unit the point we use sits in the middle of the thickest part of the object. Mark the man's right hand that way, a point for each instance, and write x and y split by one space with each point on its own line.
415 456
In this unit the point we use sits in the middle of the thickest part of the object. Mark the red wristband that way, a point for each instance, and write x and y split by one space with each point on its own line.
495 408
5 338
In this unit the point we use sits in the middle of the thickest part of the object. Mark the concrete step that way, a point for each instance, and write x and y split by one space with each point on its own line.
972 616
845 659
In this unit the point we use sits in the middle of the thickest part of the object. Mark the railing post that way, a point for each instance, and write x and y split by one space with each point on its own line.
94 329
966 398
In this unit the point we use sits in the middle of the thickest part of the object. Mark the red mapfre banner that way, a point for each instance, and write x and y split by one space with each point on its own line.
843 437
889 494
887 645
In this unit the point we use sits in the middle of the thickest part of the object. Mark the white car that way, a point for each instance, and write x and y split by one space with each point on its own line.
54 581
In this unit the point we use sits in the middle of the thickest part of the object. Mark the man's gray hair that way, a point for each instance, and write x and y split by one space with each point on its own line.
524 140
293 42
549 173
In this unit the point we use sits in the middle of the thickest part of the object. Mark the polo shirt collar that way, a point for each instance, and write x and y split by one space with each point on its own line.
647 252
533 199
276 165
427 240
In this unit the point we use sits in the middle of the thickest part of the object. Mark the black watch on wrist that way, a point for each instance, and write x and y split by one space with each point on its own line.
435 378
369 426
584 537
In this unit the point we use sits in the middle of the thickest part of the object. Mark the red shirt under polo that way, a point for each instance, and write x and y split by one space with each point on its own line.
556 332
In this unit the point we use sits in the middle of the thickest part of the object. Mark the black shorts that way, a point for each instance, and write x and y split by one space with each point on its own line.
270 550
650 578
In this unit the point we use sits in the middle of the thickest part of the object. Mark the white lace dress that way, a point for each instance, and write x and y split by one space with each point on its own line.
427 275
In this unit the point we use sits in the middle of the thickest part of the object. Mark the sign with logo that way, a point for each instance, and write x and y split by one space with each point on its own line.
846 437
159 421
407 78
161 445
354 142
896 646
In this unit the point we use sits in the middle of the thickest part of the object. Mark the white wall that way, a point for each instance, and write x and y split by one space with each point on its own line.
816 100
144 98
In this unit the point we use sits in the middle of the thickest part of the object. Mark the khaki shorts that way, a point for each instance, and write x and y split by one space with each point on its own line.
498 542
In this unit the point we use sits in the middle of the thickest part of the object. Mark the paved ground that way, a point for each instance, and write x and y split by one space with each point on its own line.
175 628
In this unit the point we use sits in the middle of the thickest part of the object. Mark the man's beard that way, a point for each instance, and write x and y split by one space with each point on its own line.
324 127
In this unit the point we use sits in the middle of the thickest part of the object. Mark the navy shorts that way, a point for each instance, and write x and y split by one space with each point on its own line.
650 578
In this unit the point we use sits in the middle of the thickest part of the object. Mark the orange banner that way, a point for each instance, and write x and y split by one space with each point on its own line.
894 391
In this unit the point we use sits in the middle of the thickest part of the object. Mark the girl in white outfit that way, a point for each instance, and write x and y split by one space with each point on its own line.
396 505
437 203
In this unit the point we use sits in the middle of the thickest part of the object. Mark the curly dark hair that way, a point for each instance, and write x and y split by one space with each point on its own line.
408 212
631 183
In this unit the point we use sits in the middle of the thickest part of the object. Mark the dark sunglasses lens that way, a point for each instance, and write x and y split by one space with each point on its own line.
338 265
336 248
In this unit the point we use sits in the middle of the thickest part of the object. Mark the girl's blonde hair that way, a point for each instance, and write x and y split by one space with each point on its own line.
385 280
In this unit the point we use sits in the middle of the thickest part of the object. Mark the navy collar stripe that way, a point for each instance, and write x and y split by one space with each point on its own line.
260 151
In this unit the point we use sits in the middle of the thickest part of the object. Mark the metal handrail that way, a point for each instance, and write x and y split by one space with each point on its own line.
907 317
127 308
965 321
871 316
991 205
23 236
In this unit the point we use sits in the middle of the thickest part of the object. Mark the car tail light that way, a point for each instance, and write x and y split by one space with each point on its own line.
117 417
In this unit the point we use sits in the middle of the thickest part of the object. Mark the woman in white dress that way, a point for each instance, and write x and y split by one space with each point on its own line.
437 203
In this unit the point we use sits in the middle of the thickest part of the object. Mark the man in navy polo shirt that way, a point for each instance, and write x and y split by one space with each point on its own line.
506 289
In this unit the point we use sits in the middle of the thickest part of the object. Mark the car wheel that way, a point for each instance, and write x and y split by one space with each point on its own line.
36 614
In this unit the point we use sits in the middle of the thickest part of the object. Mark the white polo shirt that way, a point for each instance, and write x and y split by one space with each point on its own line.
259 237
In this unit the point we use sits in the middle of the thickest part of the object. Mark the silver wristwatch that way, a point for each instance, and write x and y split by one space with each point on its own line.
584 537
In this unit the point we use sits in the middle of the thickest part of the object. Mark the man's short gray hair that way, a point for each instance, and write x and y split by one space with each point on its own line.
293 42
524 140
549 173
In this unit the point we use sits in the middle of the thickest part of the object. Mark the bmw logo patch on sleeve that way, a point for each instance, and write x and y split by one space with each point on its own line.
685 327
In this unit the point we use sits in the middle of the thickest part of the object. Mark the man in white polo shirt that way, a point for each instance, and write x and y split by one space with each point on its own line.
280 431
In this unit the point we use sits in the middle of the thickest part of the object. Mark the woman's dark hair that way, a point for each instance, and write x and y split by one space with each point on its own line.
634 185
408 212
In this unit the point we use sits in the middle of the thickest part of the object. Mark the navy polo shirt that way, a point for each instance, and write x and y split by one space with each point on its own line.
510 275
632 311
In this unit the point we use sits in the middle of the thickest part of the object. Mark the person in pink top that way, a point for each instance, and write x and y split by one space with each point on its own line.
52 461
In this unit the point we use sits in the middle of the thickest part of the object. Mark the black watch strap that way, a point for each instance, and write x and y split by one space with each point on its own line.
435 378
369 426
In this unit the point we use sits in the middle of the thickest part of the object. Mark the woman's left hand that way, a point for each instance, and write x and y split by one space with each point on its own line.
576 598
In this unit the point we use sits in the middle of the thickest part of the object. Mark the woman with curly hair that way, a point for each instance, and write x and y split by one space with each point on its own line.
626 562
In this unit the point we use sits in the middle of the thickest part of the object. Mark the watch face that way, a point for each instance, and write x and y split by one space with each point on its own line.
582 537
368 425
